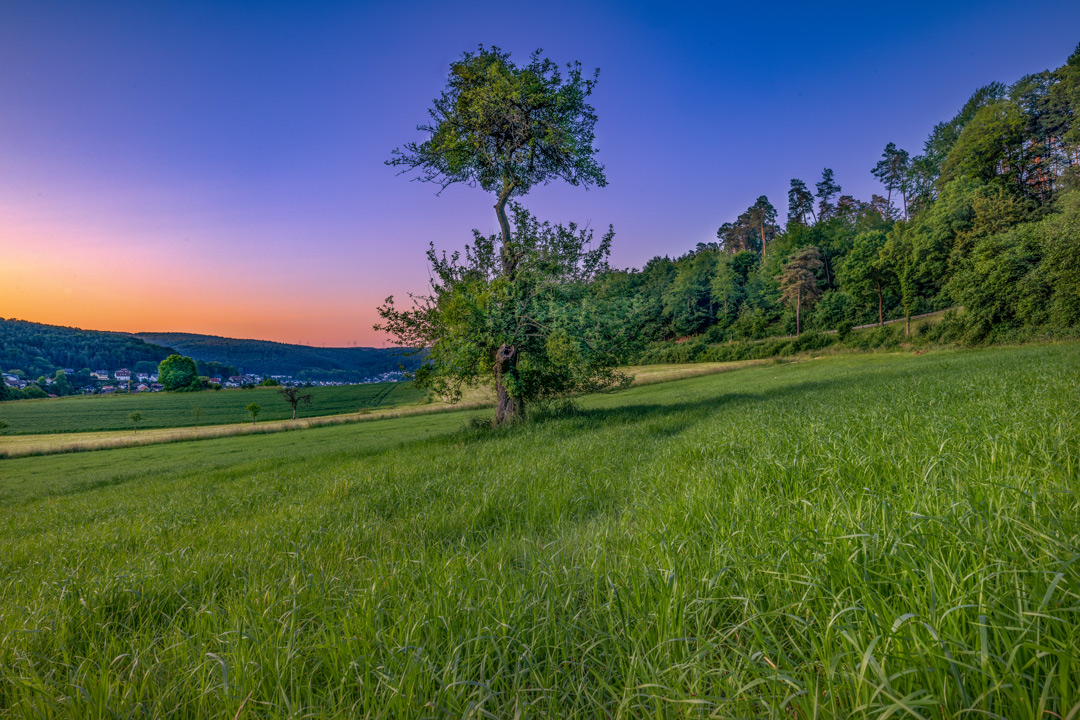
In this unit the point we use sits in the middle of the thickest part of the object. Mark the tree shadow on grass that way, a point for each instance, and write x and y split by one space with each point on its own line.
652 421
661 420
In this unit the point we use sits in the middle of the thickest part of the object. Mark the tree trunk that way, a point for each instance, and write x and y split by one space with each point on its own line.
508 409
798 307
907 330
763 239
504 225
880 309
293 412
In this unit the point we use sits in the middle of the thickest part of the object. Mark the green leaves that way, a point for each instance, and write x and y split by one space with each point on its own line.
567 340
508 128
178 374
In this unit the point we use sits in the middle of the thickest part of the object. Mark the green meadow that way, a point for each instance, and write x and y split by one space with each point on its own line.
854 536
86 413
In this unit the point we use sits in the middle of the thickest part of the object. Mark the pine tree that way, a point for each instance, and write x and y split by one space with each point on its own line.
798 282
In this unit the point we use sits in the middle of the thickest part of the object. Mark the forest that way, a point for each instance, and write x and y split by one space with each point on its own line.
302 362
986 220
36 349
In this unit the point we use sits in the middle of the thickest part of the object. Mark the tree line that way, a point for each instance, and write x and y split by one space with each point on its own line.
985 217
40 350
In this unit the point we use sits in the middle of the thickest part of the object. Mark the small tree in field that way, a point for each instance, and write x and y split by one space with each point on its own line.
506 128
536 335
136 418
253 410
798 281
294 397
196 412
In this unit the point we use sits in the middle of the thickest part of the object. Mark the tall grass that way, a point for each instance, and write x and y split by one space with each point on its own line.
864 536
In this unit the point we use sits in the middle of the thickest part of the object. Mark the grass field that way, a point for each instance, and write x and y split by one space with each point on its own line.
19 445
87 413
858 536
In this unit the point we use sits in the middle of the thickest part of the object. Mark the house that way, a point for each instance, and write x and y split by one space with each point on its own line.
100 374
142 377
142 388
123 375
11 380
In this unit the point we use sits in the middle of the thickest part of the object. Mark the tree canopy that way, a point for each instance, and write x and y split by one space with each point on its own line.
508 128
177 373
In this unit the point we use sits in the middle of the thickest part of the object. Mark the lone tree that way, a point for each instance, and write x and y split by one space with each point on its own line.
253 410
136 418
507 128
177 373
196 412
294 397
542 329
798 281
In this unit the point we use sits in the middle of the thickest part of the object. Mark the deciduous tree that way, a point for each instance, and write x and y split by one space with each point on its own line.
294 396
865 273
177 374
508 128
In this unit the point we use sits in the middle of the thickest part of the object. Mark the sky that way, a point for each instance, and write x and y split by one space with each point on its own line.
218 167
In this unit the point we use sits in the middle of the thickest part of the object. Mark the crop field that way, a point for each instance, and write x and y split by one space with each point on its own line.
87 413
855 536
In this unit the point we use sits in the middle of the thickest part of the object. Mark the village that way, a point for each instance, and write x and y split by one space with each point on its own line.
68 381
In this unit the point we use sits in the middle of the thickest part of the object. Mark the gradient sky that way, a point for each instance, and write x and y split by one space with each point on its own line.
218 168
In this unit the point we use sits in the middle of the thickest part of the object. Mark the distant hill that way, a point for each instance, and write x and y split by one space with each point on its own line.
271 358
39 349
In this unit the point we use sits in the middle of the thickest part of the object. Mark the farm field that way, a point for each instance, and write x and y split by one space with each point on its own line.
18 445
857 536
87 413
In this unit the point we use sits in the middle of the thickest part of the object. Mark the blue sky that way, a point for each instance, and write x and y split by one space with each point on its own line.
232 154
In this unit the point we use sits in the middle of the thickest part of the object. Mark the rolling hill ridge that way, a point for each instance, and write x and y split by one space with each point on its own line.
38 349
